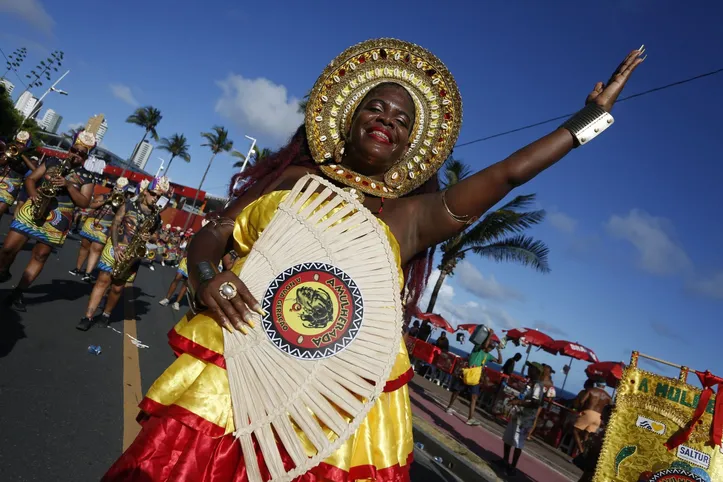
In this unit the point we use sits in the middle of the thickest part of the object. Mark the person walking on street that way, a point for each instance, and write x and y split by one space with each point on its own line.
478 358
524 410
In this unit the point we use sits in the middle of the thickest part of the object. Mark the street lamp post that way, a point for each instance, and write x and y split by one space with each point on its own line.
160 168
251 149
51 88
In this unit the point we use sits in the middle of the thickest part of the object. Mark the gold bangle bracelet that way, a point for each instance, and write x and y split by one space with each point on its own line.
466 219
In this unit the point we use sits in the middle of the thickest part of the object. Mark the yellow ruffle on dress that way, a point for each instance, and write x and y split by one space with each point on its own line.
194 391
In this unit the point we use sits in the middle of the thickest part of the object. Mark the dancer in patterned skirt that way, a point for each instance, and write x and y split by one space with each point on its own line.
69 185
94 232
13 169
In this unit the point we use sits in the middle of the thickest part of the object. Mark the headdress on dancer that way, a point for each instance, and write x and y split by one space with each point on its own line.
23 137
160 185
143 185
85 139
344 83
121 184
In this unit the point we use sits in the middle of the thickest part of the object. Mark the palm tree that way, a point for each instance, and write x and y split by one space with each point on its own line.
177 146
496 236
303 103
218 142
259 155
147 117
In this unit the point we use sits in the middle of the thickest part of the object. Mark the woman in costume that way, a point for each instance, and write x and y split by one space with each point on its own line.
126 228
381 120
94 232
13 169
73 186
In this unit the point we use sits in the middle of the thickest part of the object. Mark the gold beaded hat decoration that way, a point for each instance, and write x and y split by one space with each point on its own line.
85 139
346 81
121 183
160 185
23 137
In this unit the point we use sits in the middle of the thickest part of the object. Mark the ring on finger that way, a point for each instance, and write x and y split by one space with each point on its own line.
228 290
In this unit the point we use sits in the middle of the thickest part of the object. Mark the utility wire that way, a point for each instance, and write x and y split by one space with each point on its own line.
623 99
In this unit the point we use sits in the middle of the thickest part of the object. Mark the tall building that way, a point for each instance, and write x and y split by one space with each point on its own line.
28 105
141 154
51 121
102 129
9 86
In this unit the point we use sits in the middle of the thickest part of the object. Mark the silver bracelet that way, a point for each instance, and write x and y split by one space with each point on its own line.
588 123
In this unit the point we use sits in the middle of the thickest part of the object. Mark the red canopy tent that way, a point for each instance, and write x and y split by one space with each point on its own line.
573 350
610 371
527 337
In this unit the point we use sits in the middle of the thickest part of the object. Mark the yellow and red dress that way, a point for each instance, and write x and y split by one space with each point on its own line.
187 417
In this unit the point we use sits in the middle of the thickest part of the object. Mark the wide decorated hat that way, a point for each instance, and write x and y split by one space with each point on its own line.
350 76
85 139
160 185
22 137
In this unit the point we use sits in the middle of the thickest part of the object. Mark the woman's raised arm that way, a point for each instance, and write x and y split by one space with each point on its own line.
442 215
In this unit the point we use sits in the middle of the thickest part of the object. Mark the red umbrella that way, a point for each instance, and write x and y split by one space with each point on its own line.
612 372
470 327
436 320
573 350
528 336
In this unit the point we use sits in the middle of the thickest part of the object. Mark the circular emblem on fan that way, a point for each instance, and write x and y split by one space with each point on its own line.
314 310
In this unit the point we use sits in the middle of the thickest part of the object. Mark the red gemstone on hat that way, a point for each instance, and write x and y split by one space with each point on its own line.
442 92
362 59
342 72
383 53
430 72
348 176
365 183
447 116
407 58
441 139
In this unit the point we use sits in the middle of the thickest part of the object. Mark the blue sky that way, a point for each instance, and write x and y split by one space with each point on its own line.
633 226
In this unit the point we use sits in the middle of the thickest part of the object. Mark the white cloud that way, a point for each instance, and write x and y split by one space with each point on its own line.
710 287
456 311
469 278
562 222
123 92
31 11
652 237
259 106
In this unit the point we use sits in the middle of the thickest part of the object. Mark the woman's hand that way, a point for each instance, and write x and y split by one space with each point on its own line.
606 95
235 312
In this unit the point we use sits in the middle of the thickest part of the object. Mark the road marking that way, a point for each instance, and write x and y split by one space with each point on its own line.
132 392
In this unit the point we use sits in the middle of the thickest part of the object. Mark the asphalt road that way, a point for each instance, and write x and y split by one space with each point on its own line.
62 409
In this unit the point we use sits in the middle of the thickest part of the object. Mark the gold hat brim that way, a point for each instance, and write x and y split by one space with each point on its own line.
349 77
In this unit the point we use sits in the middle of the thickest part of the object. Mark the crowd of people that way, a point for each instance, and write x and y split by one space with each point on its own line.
523 411
119 228
381 121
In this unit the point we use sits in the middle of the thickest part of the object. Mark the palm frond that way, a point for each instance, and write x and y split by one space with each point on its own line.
453 171
176 145
217 140
520 249
499 224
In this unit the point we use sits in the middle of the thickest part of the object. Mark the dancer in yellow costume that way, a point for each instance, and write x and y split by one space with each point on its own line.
381 120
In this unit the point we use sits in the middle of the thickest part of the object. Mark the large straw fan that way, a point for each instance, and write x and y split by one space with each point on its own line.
313 368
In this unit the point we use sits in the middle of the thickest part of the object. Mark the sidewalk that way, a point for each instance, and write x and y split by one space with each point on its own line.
538 462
